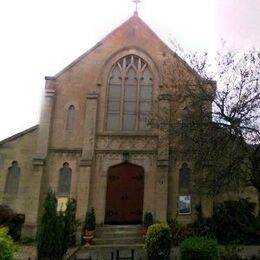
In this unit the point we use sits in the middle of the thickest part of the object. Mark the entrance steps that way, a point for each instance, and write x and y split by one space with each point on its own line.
118 234
112 238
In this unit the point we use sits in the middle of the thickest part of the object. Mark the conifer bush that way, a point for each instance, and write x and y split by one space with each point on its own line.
68 225
90 219
199 248
49 239
158 242
148 219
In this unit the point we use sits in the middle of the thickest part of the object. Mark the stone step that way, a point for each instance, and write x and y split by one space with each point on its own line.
114 240
117 233
119 227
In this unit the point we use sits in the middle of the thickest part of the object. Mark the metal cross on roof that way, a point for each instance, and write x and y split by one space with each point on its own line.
136 6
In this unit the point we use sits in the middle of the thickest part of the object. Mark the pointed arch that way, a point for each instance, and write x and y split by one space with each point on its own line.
64 179
71 117
130 87
125 194
13 179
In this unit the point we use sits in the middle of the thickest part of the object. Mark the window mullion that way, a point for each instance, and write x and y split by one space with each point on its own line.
122 99
138 100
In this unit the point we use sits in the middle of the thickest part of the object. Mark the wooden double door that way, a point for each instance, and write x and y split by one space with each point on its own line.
125 194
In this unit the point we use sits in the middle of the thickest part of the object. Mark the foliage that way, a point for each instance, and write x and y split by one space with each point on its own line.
219 127
148 219
11 220
179 232
233 220
49 242
90 219
7 248
158 242
204 227
199 248
69 225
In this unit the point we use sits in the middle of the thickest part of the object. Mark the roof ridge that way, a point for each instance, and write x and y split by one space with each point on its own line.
15 136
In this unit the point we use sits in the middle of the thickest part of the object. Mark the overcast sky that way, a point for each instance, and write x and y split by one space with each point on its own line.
40 37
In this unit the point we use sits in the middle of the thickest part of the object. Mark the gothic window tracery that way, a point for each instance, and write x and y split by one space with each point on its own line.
13 178
64 180
129 95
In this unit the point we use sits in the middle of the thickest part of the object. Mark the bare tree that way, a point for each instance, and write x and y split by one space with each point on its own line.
220 123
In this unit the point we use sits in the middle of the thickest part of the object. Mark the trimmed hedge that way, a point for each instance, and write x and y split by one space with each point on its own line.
199 248
158 242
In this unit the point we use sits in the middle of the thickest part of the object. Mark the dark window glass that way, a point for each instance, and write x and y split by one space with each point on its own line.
184 179
13 178
64 179
71 114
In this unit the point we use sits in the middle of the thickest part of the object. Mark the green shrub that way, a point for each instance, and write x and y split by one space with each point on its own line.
237 218
158 242
49 242
12 221
7 248
90 219
203 227
199 248
69 226
148 219
179 232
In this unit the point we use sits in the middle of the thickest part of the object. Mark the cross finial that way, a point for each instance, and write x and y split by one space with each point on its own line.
136 6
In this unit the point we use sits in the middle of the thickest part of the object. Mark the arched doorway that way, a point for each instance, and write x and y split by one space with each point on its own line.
125 193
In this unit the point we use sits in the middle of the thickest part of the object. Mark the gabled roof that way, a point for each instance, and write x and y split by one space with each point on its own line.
135 19
20 134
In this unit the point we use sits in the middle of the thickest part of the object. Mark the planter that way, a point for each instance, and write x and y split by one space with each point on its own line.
145 229
88 236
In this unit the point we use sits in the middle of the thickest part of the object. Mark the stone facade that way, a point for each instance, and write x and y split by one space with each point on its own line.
88 147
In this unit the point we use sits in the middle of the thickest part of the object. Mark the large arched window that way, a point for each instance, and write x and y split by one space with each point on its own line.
129 95
12 180
71 116
64 180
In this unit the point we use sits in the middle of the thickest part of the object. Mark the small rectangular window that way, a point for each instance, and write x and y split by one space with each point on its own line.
184 204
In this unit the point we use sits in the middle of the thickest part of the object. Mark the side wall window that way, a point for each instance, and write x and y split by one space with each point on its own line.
71 118
64 180
13 178
184 201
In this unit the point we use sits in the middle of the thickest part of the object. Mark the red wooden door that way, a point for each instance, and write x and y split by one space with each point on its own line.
125 192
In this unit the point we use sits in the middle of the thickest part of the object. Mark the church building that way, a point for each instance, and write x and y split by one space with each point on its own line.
94 142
